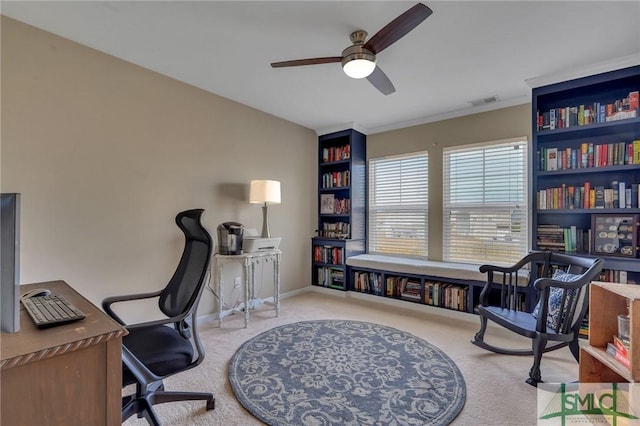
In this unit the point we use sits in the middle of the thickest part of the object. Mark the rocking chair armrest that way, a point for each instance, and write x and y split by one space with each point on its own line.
528 259
496 268
541 283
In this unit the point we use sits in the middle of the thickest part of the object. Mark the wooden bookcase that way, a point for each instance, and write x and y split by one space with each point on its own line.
341 207
558 193
606 302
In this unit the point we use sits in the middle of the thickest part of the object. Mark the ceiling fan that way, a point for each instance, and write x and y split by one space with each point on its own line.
359 59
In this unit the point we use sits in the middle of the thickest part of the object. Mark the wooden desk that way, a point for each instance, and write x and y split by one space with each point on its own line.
65 375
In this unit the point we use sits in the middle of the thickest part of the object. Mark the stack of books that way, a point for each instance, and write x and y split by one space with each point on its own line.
619 349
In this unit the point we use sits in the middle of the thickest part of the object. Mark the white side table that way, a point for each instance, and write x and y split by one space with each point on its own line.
248 262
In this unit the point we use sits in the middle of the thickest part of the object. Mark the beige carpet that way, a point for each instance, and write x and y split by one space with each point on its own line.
496 390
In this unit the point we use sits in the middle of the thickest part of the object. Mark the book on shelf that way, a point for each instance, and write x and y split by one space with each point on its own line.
588 155
599 197
617 276
618 195
338 230
622 347
552 159
327 254
556 238
336 153
410 289
393 286
584 327
341 205
613 350
326 203
367 282
330 277
587 114
336 179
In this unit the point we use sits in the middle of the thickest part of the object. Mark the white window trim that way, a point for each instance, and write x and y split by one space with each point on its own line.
524 209
422 207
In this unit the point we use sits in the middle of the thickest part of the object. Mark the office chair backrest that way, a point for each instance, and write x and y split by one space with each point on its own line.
185 286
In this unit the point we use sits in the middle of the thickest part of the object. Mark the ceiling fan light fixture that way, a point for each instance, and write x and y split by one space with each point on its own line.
358 62
358 68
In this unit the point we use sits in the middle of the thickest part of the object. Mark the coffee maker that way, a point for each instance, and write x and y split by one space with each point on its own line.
230 238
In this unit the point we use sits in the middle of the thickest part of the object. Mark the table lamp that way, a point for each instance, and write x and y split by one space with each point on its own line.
265 192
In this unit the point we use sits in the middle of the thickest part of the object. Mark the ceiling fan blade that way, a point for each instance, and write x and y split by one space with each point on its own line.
381 82
310 61
398 28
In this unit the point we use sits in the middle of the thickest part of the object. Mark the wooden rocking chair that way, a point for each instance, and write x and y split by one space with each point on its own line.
561 283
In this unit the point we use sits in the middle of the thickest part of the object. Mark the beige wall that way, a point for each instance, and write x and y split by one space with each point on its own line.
489 126
105 153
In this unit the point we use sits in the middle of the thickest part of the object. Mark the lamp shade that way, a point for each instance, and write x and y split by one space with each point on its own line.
264 191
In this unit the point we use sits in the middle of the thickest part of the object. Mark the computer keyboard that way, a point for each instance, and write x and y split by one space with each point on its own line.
52 310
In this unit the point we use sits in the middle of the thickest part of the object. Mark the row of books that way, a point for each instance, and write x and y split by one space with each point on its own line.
620 195
556 238
330 277
586 114
368 282
410 289
616 276
589 155
435 293
328 254
334 230
336 153
331 205
445 295
395 285
336 179
619 349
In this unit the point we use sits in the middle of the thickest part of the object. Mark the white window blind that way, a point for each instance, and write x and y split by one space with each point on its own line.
485 215
398 205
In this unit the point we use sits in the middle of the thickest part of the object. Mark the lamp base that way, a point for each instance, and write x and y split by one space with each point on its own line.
265 222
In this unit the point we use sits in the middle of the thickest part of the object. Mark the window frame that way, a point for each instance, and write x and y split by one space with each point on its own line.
396 248
504 232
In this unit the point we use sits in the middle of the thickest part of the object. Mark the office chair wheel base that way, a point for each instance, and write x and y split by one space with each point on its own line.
211 404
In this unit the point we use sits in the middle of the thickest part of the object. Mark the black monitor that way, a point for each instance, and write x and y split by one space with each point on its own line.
10 262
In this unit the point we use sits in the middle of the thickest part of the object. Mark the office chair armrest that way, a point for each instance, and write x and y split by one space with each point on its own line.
107 302
137 368
162 321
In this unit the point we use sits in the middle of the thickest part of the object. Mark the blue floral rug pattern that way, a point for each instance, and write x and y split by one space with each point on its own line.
337 372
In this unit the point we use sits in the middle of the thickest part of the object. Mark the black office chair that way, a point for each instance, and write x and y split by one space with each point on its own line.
155 350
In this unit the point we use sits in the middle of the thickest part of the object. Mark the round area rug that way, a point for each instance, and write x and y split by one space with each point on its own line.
337 372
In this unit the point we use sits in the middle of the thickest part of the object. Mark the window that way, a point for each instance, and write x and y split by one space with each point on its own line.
398 205
485 202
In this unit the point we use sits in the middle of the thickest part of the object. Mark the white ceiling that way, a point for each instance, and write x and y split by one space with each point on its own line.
463 52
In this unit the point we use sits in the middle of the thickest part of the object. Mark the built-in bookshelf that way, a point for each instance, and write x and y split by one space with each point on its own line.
586 169
341 206
421 289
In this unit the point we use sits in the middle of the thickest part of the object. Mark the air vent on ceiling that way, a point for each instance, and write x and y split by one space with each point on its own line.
485 101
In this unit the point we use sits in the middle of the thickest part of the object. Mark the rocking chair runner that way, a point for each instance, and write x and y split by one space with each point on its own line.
563 299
